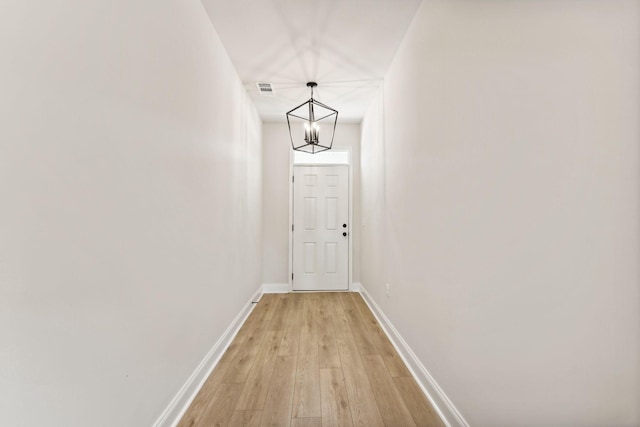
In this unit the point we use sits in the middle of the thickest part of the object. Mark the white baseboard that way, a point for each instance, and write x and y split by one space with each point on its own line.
275 288
180 403
283 288
441 403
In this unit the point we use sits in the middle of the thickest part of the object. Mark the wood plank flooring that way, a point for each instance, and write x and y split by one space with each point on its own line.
310 360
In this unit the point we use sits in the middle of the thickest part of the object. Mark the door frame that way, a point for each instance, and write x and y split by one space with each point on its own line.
350 236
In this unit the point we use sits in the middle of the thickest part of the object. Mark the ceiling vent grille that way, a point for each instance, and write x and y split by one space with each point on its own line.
265 89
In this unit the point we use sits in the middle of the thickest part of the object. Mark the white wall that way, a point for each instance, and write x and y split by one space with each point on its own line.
130 206
275 189
500 201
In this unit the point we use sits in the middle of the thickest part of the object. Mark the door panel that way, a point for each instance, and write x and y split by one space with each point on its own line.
330 257
320 208
331 209
310 213
309 258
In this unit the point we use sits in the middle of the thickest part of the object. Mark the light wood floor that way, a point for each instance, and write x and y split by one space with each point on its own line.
311 360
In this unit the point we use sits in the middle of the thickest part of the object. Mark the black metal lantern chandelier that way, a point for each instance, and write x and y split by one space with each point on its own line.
304 127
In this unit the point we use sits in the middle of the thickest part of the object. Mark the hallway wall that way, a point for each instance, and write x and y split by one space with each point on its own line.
275 190
500 199
130 207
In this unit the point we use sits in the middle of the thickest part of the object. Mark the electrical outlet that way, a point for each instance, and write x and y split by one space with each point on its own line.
388 289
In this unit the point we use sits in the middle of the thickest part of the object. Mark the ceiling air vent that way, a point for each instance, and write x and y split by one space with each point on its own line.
265 89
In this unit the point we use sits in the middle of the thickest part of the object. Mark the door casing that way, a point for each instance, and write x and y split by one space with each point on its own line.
351 229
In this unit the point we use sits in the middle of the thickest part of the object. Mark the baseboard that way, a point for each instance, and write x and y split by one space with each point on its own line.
180 403
275 288
283 288
441 403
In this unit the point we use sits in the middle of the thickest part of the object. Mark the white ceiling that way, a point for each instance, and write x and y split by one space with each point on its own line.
345 46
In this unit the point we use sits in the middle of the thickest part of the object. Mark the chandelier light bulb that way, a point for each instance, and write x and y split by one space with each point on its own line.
307 133
311 132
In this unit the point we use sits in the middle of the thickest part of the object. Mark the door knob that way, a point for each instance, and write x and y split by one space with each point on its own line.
344 225
344 234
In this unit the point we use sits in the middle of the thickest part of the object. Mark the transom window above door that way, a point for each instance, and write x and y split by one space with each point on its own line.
335 156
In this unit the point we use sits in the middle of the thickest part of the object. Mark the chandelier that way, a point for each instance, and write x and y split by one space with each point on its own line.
304 127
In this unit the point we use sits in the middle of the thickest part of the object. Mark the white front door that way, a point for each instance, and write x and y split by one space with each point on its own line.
320 228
